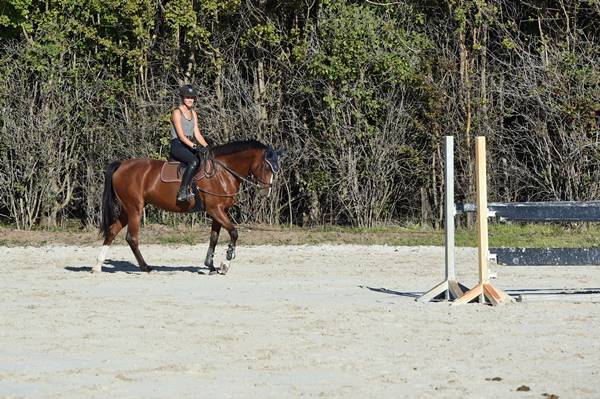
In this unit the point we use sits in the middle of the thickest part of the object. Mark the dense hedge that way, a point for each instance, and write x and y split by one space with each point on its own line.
359 93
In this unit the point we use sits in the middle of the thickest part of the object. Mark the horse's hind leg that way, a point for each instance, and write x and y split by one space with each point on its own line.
214 238
114 229
133 239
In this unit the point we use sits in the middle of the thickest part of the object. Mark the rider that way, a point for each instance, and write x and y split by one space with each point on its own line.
184 126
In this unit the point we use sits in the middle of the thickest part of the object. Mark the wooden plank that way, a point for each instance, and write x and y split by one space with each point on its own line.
484 290
551 211
547 256
482 222
469 295
495 295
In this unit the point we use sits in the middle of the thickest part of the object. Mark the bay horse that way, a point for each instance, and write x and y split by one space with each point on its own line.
131 184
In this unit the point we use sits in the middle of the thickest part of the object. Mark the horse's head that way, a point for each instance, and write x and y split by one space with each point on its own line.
266 168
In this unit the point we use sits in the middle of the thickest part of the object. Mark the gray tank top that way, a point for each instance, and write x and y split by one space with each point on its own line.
187 125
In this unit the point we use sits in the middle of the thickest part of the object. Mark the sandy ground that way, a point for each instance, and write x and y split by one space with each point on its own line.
287 321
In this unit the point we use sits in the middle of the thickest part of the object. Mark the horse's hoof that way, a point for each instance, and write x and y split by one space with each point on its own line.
224 268
213 272
96 269
147 269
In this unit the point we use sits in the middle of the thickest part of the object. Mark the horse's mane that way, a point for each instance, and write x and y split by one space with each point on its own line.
237 146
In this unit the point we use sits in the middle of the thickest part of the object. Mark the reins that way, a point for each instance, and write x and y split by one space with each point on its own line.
243 178
237 175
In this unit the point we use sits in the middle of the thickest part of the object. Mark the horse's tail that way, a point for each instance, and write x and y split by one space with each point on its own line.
109 200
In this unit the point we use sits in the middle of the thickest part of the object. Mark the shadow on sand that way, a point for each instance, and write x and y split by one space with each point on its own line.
407 294
115 266
518 293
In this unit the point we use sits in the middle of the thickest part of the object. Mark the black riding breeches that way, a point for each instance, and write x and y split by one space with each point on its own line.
183 154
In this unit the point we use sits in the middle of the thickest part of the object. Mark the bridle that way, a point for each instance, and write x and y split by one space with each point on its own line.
255 182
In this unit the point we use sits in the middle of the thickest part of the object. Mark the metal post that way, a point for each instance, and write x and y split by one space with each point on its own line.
449 289
450 207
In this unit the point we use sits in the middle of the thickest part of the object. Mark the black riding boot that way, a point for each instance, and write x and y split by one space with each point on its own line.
185 193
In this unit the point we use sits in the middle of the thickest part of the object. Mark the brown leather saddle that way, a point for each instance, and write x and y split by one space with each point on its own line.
171 170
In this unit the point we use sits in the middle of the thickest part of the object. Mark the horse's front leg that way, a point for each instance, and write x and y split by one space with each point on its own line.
220 215
233 235
210 254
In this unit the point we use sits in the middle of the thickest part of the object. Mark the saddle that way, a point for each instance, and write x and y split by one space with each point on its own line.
172 170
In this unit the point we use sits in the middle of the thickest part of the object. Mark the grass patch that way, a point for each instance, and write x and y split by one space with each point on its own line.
500 235
535 235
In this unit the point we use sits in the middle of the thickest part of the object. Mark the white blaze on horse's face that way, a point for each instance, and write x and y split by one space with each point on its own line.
266 180
270 167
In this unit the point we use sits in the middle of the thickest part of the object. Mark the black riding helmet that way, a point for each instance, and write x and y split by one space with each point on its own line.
187 91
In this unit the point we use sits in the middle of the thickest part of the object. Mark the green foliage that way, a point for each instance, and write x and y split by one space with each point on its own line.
219 8
357 41
14 17
262 36
360 93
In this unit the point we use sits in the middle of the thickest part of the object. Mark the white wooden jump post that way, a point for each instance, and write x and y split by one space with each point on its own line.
484 290
450 288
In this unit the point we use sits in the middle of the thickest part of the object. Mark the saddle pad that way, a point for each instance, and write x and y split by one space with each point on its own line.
171 172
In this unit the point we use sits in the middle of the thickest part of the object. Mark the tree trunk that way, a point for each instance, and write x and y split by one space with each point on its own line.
218 83
259 95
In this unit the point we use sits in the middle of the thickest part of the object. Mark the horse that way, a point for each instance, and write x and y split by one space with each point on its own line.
133 183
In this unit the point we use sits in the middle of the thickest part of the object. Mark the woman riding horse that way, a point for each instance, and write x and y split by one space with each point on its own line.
132 184
184 126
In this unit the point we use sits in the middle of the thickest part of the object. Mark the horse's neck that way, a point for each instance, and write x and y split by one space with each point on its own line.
239 162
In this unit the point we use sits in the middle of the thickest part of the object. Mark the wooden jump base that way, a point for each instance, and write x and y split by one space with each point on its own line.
484 291
450 288
568 211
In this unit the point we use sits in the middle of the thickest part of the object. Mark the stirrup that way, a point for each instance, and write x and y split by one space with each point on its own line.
183 195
